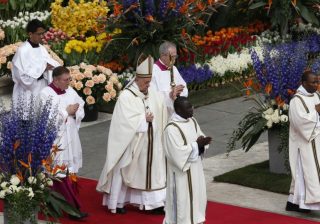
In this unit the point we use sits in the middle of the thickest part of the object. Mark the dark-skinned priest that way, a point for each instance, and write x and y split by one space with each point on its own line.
184 144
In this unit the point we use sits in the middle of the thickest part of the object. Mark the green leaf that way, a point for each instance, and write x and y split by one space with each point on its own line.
257 5
13 4
308 14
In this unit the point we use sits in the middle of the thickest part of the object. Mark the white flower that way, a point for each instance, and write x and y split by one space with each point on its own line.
2 194
275 116
269 111
269 123
14 180
267 117
41 186
41 176
4 185
49 182
32 180
31 194
285 107
13 188
284 118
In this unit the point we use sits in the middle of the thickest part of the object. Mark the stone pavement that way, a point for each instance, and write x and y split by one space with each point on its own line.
217 120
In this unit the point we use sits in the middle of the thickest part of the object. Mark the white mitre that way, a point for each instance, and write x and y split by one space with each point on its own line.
144 69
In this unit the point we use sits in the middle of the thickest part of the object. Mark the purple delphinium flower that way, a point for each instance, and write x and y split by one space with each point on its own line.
315 66
36 133
163 8
192 74
149 7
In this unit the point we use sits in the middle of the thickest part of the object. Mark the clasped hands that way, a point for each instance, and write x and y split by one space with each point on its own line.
49 67
72 109
149 117
203 141
176 91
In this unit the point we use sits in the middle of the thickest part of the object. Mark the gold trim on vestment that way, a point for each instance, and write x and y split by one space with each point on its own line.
314 149
303 103
149 157
190 195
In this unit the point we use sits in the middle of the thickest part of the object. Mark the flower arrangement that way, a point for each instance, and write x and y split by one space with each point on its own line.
277 78
2 35
84 19
95 84
146 24
77 51
196 76
15 27
27 172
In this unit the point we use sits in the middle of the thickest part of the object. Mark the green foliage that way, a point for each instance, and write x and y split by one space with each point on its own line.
13 7
257 176
282 13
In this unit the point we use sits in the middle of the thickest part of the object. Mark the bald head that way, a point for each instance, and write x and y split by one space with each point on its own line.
183 107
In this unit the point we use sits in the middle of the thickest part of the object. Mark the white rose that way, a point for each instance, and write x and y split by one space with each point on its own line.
41 186
285 107
284 118
4 185
14 180
2 194
32 180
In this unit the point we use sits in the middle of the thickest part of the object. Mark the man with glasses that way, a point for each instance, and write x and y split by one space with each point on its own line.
166 77
32 65
69 115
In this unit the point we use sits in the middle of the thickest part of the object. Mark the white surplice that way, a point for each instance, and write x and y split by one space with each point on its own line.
29 63
304 150
68 136
133 172
161 80
186 199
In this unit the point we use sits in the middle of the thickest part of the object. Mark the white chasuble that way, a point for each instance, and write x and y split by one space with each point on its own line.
304 150
135 157
186 198
29 63
68 138
161 80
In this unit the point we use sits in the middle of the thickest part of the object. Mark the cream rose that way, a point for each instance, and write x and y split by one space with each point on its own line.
106 97
78 85
89 83
90 100
87 91
96 79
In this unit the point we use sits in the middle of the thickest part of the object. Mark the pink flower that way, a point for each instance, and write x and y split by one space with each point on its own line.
96 79
109 86
87 91
106 97
102 77
113 94
88 73
79 76
78 85
90 100
89 83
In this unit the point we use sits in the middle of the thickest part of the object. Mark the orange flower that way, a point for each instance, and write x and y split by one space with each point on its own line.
183 32
248 92
16 145
73 177
149 18
268 88
24 164
183 9
279 101
291 92
117 9
256 87
248 83
19 175
29 158
200 6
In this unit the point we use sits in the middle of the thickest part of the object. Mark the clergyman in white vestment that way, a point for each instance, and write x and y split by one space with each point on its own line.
304 147
161 76
134 171
31 66
69 106
184 144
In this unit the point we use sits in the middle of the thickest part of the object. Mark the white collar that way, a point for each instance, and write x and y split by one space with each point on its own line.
303 91
176 117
